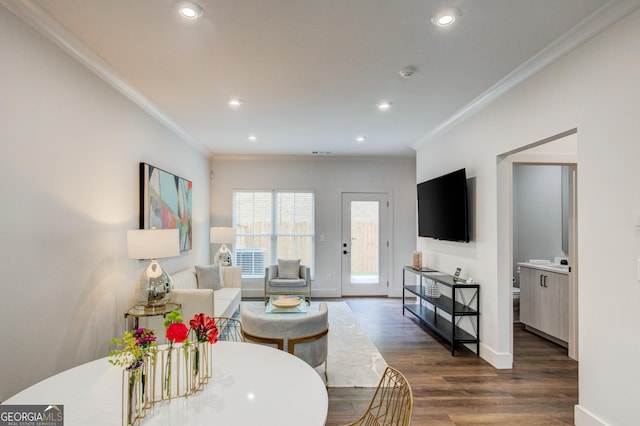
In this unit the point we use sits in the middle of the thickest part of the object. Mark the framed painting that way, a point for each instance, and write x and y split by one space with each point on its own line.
165 202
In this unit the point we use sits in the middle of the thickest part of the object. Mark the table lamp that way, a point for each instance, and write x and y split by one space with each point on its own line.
154 286
223 235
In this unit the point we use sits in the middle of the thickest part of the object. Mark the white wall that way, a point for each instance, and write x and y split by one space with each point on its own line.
328 177
595 90
69 152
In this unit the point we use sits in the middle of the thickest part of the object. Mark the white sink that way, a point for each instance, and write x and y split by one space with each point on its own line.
558 266
546 265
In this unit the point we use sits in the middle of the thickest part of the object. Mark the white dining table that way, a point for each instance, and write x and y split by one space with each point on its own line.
251 385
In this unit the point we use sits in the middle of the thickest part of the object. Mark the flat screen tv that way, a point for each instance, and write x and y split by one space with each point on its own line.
442 207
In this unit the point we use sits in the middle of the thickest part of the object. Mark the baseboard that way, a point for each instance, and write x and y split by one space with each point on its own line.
582 417
253 288
250 293
547 336
500 361
258 293
328 293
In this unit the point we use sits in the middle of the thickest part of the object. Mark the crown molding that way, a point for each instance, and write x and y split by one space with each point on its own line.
30 12
316 158
593 25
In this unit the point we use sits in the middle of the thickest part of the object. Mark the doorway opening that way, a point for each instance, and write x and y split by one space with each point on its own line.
533 161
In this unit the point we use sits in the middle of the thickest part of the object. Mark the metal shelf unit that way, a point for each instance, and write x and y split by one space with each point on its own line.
462 302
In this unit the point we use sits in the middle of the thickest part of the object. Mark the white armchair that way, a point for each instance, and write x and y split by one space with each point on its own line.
279 279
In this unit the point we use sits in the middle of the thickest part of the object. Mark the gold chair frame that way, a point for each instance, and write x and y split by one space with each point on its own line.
280 341
229 329
392 403
268 340
291 347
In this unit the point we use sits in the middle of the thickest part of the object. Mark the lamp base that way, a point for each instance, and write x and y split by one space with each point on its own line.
154 287
223 256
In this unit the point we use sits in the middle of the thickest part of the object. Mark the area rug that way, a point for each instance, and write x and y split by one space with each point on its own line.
353 360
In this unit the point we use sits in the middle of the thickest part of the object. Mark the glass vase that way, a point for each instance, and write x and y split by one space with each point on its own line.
174 372
132 396
201 367
417 260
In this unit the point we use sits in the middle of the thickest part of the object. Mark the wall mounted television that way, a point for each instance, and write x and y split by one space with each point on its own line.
442 207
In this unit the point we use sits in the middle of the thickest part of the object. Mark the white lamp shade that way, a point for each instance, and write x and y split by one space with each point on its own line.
153 243
222 235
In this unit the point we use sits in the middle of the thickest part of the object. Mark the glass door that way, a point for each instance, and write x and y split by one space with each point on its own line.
365 244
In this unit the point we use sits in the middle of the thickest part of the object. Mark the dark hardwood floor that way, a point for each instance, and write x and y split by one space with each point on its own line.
541 389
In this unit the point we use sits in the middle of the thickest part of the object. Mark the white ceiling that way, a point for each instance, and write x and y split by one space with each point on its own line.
310 72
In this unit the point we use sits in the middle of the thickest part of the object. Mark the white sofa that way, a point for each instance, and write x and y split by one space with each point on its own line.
194 300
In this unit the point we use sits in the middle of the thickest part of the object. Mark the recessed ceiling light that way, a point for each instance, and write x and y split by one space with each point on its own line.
190 10
252 138
235 102
446 17
407 72
384 105
360 139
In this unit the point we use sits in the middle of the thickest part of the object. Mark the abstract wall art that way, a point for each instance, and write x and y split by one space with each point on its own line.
165 202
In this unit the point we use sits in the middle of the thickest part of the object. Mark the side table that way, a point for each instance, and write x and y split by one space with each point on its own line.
139 311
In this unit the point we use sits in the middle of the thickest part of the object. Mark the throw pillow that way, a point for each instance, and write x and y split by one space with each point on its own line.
209 276
288 269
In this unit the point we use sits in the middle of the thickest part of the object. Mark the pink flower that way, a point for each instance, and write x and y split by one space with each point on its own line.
144 337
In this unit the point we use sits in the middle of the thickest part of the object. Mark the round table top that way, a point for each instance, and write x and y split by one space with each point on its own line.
250 384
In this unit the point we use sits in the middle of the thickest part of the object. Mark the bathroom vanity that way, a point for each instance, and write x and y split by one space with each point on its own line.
544 300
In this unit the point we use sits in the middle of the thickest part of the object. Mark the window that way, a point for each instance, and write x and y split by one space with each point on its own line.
272 225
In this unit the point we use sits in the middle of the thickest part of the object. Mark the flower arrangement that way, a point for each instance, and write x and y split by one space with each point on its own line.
137 348
137 352
136 345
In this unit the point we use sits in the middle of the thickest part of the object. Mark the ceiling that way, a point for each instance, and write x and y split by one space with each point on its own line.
311 72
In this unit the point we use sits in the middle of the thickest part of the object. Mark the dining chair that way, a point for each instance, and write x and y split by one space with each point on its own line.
229 329
392 403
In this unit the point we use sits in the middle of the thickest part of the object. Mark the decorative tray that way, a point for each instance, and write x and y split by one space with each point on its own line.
286 302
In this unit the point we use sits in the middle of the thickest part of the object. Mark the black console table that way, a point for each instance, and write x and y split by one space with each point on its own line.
458 301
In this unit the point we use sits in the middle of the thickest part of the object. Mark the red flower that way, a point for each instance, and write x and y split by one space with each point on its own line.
213 335
205 328
177 332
